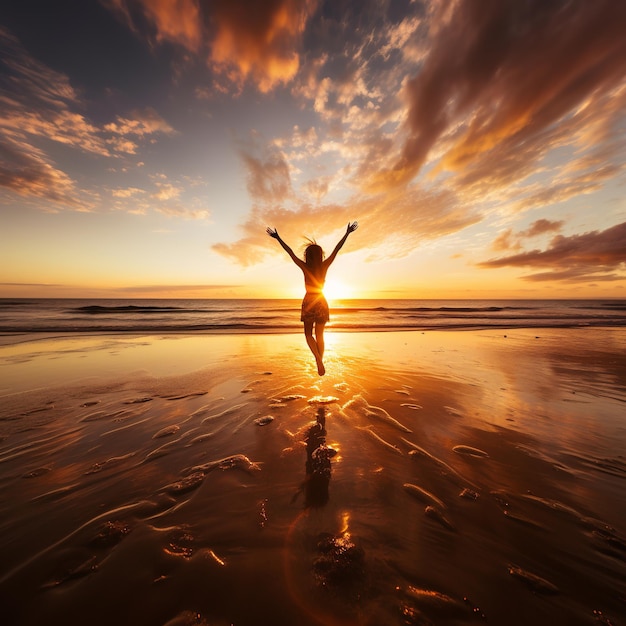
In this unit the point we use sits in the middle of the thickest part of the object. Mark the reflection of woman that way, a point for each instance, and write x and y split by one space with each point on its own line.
318 456
318 465
314 306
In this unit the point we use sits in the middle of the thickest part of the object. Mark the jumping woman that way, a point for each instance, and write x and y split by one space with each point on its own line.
315 312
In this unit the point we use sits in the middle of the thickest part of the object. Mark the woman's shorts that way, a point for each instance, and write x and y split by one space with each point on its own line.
314 308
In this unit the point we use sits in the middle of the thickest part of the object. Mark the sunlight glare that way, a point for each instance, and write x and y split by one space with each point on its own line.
336 290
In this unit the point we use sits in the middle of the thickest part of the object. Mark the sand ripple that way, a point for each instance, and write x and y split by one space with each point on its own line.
427 603
424 496
532 581
360 405
470 451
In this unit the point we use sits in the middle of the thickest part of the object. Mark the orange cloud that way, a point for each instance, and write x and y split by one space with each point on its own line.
507 240
574 258
166 191
393 224
129 192
246 39
141 123
177 21
501 81
539 227
259 40
25 171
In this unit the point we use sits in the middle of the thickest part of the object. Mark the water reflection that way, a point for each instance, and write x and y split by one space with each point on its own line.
318 466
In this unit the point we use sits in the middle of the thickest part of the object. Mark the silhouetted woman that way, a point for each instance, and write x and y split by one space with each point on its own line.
314 306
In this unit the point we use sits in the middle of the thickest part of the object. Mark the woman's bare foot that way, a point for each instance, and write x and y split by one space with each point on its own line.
321 370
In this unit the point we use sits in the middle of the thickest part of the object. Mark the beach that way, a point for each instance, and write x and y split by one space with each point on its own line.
430 477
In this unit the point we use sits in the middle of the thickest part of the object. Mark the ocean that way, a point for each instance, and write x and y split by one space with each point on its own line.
254 316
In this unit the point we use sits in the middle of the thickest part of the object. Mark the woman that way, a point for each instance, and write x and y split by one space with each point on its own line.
314 306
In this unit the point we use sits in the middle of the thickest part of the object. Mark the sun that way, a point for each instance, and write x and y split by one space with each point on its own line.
336 290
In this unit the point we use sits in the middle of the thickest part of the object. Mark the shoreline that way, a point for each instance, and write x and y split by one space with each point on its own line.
296 329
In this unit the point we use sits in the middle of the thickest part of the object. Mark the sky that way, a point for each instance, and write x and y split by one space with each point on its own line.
145 146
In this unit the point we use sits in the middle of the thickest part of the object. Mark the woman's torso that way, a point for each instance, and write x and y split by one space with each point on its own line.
314 279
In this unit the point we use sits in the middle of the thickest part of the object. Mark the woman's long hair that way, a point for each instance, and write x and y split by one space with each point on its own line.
313 256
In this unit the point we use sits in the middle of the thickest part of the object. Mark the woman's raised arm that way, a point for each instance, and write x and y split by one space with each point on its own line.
352 226
272 232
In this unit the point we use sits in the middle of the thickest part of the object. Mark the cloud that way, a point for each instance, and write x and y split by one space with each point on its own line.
541 226
180 211
241 39
177 21
391 225
268 176
568 186
25 171
597 255
259 40
166 191
505 82
127 192
507 240
317 188
398 220
41 83
140 124
37 104
137 125
42 110
166 199
357 58
40 102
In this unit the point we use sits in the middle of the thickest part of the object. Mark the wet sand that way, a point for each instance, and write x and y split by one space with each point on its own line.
428 478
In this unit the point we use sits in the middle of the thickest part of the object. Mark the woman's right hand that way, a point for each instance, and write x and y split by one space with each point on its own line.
272 232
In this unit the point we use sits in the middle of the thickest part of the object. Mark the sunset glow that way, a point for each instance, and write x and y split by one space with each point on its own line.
336 290
147 145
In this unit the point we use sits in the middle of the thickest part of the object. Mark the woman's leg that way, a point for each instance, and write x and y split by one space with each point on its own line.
312 343
319 337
